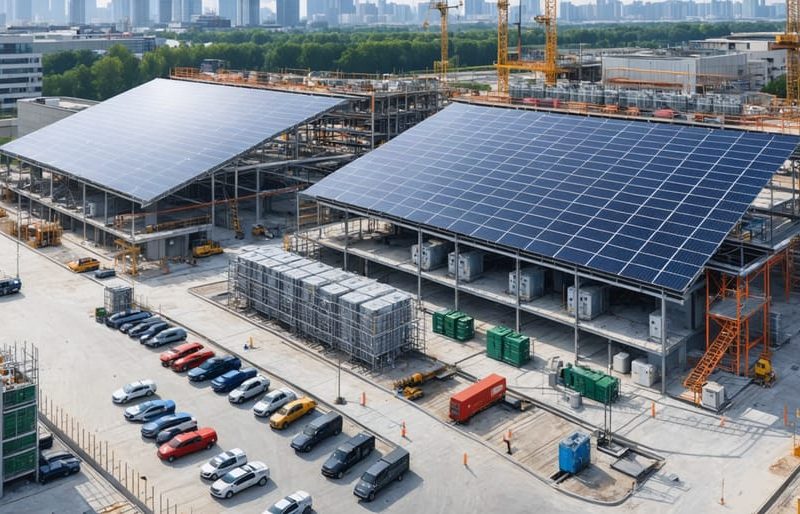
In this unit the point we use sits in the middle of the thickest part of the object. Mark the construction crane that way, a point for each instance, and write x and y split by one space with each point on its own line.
548 66
790 41
443 7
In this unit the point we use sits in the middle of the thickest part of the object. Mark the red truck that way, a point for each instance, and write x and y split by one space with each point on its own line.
477 397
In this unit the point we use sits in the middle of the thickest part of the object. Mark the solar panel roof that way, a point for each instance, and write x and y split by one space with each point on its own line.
647 201
149 141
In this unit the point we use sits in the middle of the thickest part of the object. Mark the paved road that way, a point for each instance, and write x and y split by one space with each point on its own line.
82 362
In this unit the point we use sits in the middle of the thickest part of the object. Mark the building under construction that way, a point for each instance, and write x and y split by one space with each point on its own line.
19 402
668 241
170 164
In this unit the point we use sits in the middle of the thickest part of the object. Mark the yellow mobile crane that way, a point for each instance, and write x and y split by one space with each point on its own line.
790 41
443 7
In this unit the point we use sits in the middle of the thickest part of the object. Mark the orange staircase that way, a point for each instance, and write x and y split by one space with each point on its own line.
699 375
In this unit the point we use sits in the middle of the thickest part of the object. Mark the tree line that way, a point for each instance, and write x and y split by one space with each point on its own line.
389 50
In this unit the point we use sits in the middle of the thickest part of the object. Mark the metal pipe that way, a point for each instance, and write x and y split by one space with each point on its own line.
575 302
419 267
517 325
455 266
346 236
663 344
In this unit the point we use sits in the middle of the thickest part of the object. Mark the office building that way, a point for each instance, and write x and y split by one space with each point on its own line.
288 12
248 15
140 13
77 12
227 9
164 11
21 69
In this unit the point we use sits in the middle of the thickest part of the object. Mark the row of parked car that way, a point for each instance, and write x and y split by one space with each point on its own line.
148 329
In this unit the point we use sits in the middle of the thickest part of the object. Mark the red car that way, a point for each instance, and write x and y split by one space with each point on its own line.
180 351
192 360
188 442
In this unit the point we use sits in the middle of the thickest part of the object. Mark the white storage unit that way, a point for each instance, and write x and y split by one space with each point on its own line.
349 314
622 362
531 282
310 303
470 265
376 290
713 396
328 323
593 301
644 373
655 325
434 254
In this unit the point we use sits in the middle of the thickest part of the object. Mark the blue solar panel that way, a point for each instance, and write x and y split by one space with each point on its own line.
648 201
152 140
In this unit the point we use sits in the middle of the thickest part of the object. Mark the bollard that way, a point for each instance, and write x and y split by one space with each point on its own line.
403 430
465 459
363 399
653 409
722 421
785 415
509 434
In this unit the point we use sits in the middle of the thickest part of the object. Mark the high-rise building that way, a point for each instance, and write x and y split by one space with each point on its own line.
121 11
40 10
472 8
23 11
315 7
288 12
77 12
140 13
227 9
164 11
58 11
248 13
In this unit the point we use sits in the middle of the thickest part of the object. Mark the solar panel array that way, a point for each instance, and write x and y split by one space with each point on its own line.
648 201
153 139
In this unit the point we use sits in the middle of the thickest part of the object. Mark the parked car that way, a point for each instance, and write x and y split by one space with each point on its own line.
348 454
192 360
143 326
9 285
84 264
152 428
131 321
178 352
222 463
291 412
273 401
250 388
59 468
153 330
148 411
116 321
105 273
167 434
232 379
134 390
51 456
317 430
241 478
168 336
298 502
214 367
185 444
391 467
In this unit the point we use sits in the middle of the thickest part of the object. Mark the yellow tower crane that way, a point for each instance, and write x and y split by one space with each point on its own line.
790 41
548 66
443 7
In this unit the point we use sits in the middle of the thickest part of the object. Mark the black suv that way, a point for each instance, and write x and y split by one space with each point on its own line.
347 455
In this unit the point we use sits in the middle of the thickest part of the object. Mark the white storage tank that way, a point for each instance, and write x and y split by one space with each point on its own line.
593 301
713 396
622 362
531 283
655 325
434 254
643 373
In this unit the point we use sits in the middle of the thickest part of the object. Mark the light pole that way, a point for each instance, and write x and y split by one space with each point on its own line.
339 399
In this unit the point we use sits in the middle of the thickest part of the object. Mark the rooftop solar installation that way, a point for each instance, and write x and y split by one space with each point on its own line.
152 140
647 201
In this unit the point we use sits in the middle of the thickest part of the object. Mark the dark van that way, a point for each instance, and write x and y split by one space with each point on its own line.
382 473
347 455
317 431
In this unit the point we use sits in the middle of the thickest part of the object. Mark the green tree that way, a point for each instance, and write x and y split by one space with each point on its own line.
776 87
107 77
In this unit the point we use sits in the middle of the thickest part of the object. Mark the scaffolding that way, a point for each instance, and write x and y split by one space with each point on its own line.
370 322
737 321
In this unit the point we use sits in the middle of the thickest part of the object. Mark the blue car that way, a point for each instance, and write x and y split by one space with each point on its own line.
58 468
148 411
152 331
152 428
214 367
232 379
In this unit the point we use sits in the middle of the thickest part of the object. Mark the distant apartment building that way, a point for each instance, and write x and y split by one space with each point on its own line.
248 13
77 12
227 9
140 13
764 64
164 11
288 12
58 41
20 69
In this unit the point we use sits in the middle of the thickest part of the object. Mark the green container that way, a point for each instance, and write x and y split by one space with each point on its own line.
494 342
19 422
450 323
607 389
19 396
438 321
19 464
592 384
25 442
465 328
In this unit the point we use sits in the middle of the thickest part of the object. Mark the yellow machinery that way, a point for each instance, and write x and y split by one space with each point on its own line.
3 213
763 374
409 386
83 265
258 230
790 41
206 249
548 67
443 7
127 250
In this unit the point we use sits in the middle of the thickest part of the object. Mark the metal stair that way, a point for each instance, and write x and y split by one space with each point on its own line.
235 221
699 375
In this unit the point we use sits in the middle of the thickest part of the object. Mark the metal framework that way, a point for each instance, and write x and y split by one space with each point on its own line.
442 64
790 41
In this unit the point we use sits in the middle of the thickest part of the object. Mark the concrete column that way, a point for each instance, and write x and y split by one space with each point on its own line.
577 321
346 236
213 208
663 343
258 198
51 186
518 288
83 211
609 357
419 265
133 221
105 215
455 300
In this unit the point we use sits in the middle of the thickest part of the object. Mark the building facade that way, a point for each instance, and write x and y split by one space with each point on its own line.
20 69
288 12
77 12
140 13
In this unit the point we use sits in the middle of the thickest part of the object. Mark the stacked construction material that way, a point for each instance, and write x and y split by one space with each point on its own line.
454 324
367 320
592 384
503 344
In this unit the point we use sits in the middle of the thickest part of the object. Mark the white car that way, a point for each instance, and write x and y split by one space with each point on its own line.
249 388
240 479
222 463
273 401
134 390
295 503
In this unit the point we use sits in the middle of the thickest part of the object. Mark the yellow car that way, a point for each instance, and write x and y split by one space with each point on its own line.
292 411
84 264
